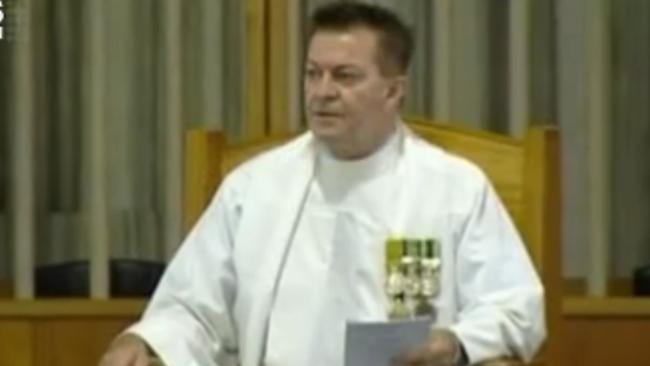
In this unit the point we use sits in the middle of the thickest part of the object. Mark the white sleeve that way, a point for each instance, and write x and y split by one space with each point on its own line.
501 298
189 319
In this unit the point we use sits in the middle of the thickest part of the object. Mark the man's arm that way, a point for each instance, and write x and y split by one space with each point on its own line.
189 319
126 350
500 295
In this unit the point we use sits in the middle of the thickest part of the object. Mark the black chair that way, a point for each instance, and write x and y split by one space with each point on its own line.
128 278
642 281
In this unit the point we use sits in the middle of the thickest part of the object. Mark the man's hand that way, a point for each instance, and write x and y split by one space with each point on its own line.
126 350
442 349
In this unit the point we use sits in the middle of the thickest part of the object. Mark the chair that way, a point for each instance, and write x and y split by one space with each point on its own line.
525 173
133 278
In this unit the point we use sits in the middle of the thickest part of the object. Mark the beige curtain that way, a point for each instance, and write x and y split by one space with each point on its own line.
470 79
150 65
626 175
478 50
5 91
630 167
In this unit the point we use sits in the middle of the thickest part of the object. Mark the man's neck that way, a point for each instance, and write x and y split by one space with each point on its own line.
351 151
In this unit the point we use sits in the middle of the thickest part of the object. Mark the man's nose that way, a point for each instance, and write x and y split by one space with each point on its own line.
326 88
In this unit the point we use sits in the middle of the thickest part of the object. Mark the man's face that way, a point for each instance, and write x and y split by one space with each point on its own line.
351 106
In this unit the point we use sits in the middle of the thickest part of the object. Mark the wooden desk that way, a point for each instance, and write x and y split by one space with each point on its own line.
61 332
612 331
606 331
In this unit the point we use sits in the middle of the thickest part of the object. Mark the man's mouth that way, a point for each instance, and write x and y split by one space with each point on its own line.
326 114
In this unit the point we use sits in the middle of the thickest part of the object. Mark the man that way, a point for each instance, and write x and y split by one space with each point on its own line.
292 245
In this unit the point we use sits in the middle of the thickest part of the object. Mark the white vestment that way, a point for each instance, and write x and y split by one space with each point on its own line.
292 246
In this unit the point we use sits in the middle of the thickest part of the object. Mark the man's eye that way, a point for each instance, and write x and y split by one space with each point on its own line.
347 76
311 73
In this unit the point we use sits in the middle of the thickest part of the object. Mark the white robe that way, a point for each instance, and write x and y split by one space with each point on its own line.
225 286
335 267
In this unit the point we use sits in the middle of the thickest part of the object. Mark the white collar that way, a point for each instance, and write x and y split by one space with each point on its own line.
336 173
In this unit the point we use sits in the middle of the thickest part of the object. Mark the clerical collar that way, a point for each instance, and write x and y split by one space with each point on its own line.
375 163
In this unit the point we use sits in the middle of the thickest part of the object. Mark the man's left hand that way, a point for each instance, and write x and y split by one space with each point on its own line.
442 349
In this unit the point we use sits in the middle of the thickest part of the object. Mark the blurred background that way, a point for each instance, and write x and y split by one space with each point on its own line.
95 97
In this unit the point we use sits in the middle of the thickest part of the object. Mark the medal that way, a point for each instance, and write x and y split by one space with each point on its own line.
412 276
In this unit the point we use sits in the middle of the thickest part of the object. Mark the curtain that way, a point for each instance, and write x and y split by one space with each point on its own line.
136 91
5 92
470 80
630 138
627 175
479 53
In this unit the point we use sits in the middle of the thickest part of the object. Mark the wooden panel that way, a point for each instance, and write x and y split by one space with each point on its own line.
70 308
616 287
609 307
256 70
75 342
61 332
541 227
16 343
606 340
202 172
606 331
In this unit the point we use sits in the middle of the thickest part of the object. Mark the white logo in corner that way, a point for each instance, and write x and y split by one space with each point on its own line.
2 18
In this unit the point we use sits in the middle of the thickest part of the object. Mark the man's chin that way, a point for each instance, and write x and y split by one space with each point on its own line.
325 128
325 135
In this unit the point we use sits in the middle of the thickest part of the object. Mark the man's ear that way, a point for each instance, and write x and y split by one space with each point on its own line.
397 90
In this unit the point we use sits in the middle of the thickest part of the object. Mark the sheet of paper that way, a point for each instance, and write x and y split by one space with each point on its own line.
378 343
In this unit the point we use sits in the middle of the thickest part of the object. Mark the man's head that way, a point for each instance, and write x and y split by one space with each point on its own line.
355 76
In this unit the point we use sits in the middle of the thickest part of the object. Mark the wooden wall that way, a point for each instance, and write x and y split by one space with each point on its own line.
61 333
608 331
597 332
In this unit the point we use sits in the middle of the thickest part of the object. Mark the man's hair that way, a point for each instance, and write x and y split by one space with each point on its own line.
395 41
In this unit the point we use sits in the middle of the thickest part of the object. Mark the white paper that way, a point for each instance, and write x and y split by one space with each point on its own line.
379 343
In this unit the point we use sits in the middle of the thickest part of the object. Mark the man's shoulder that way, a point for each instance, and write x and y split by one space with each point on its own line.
271 159
457 179
436 160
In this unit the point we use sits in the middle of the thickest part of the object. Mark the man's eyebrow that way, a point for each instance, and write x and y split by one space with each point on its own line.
336 67
351 67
